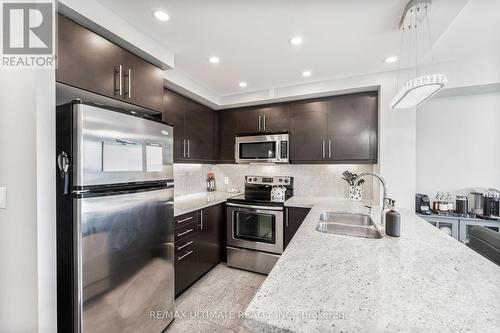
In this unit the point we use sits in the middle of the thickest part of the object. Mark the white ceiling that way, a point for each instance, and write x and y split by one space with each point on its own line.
341 37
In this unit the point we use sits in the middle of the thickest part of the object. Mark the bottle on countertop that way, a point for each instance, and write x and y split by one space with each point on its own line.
392 221
210 182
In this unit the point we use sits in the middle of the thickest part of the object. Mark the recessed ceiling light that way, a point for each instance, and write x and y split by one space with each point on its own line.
242 84
306 73
296 40
391 59
214 60
161 15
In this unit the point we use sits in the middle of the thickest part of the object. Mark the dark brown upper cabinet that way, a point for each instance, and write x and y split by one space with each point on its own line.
339 129
352 128
308 130
195 128
91 62
268 118
228 128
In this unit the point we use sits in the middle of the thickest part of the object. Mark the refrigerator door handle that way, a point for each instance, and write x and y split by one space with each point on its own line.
64 162
126 142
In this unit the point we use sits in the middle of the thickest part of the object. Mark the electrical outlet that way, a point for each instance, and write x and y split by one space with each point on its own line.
3 197
226 180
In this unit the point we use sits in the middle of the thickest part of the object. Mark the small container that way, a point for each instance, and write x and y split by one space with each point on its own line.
393 222
355 193
443 206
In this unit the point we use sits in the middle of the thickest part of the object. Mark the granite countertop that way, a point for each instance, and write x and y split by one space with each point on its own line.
422 281
191 202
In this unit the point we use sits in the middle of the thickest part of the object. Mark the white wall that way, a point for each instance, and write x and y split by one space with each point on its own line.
27 226
458 142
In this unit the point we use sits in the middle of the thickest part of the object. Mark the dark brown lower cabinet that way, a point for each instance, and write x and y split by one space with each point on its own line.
199 245
294 217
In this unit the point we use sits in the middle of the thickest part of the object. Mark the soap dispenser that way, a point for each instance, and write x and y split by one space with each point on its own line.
392 221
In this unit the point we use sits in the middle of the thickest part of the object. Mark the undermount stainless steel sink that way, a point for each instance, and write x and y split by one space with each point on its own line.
357 225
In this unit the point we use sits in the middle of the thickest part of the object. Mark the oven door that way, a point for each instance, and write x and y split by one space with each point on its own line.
255 228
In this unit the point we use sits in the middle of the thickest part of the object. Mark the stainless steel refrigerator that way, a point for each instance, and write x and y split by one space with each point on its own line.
115 244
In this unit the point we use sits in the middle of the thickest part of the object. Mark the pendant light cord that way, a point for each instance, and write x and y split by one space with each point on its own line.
400 57
416 40
430 40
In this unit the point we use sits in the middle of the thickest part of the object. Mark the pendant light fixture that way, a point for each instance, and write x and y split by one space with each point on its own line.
420 88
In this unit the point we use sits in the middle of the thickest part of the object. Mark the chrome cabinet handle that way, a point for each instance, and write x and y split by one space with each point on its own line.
201 220
184 233
184 148
323 148
186 219
287 212
329 148
184 245
260 124
264 123
188 150
184 256
129 83
120 80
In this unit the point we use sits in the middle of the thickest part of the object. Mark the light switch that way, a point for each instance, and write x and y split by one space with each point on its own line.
3 197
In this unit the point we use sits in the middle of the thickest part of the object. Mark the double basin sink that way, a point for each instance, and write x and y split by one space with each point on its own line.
357 225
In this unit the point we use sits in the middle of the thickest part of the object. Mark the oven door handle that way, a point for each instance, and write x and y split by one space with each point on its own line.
268 208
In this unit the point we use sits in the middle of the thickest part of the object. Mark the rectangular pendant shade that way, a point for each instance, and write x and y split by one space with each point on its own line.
418 90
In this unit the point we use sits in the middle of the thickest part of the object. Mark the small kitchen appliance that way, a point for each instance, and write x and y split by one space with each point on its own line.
491 208
255 223
422 204
462 205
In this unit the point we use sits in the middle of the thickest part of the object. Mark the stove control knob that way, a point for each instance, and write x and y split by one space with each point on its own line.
255 179
286 180
280 180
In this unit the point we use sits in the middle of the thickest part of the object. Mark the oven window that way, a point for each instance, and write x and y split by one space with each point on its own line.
258 150
255 227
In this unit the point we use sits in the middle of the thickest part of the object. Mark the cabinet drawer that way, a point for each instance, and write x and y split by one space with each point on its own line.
183 220
184 245
186 230
186 270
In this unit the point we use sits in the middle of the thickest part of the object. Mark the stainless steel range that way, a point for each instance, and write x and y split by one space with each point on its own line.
255 223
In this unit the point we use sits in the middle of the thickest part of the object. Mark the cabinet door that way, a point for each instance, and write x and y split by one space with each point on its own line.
210 238
275 118
173 113
143 82
352 128
308 130
87 60
293 220
199 132
249 121
228 124
186 264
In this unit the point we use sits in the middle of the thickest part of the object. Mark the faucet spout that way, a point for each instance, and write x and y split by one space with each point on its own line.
385 199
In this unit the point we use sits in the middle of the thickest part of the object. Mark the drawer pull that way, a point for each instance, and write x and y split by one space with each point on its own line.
186 219
185 232
184 245
184 256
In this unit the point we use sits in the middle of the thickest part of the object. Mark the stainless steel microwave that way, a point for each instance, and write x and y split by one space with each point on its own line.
267 148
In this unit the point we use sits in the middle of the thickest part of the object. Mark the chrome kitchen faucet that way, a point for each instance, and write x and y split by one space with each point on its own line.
385 200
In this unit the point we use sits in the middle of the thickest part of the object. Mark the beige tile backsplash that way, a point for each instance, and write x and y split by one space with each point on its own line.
310 179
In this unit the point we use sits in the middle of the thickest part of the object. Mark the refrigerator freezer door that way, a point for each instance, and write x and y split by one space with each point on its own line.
124 257
115 148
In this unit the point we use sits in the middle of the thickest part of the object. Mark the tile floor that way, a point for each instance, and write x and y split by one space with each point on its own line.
215 302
